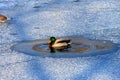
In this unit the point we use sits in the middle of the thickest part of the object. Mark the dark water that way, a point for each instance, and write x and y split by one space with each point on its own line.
79 47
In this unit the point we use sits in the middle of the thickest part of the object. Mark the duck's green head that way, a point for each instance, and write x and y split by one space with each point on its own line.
52 39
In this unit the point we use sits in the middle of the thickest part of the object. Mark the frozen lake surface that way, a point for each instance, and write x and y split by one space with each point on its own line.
79 47
40 19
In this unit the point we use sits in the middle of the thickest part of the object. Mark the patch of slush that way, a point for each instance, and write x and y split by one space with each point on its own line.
118 54
7 4
50 23
13 65
73 20
103 76
16 71
64 69
8 57
102 5
7 34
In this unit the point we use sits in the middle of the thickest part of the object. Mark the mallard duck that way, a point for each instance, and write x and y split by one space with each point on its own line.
58 43
3 18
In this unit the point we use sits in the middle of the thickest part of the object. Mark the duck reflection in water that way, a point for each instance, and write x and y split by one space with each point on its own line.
53 50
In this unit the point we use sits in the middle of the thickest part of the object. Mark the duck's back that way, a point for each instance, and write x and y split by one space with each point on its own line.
62 41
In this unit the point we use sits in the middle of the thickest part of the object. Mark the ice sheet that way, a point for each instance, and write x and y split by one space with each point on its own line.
41 19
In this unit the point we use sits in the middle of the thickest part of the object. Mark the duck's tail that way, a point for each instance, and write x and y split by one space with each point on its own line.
9 18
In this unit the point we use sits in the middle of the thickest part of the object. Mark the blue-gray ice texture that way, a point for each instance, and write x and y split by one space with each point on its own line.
40 19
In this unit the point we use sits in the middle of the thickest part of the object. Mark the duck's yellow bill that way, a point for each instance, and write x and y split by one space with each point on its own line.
49 42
